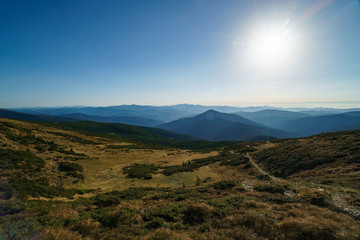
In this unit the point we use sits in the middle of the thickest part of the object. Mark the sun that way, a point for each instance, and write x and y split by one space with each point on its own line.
270 48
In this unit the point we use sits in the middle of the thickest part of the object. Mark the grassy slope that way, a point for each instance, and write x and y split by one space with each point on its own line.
208 195
333 157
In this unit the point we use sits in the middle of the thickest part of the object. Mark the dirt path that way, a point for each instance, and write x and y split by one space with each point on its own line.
251 159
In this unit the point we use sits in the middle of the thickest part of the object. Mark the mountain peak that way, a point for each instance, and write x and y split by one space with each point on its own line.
210 114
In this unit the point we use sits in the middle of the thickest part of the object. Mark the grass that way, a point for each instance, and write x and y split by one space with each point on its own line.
206 196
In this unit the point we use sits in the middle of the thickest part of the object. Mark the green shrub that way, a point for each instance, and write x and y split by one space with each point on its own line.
24 160
225 184
270 188
156 222
115 197
40 187
119 217
141 171
170 213
11 207
197 213
70 167
234 161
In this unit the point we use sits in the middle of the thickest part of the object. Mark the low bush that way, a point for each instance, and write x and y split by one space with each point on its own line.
115 197
124 215
141 171
70 167
40 187
197 213
225 184
22 160
170 213
270 188
10 207
87 227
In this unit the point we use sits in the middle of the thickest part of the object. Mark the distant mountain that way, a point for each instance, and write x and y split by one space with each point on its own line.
166 113
326 111
161 113
131 120
30 117
319 124
216 126
355 113
272 117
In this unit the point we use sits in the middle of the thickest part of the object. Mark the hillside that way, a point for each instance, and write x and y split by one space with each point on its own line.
326 156
131 120
316 125
61 183
272 117
30 117
216 126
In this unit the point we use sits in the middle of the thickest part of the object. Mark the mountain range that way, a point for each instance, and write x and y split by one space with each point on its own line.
167 113
220 123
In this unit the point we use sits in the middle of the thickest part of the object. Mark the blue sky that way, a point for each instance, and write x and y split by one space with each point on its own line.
152 52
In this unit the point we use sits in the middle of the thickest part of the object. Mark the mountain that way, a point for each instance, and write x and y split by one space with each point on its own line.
216 126
30 117
354 113
132 120
161 113
319 124
326 111
272 117
166 113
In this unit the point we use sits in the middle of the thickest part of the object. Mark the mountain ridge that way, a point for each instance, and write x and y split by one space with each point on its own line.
216 126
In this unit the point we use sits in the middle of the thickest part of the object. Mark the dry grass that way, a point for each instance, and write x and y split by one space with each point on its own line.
104 163
87 227
64 213
60 234
165 234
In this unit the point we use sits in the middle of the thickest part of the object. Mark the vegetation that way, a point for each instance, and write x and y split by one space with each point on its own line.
327 155
169 193
140 171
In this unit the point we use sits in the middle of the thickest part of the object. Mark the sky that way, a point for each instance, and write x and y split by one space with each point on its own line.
164 52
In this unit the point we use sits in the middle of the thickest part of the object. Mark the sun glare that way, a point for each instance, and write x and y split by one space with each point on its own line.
270 49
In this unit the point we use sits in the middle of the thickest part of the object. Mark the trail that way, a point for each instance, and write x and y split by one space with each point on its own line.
336 201
251 159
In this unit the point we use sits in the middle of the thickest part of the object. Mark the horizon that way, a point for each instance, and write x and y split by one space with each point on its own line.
286 106
242 53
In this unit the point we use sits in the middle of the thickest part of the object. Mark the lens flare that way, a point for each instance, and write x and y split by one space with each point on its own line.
270 48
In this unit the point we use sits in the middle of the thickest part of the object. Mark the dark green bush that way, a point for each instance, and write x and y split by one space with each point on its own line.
115 197
141 171
170 213
40 187
234 161
156 222
119 217
11 207
225 184
270 188
24 160
70 167
197 213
